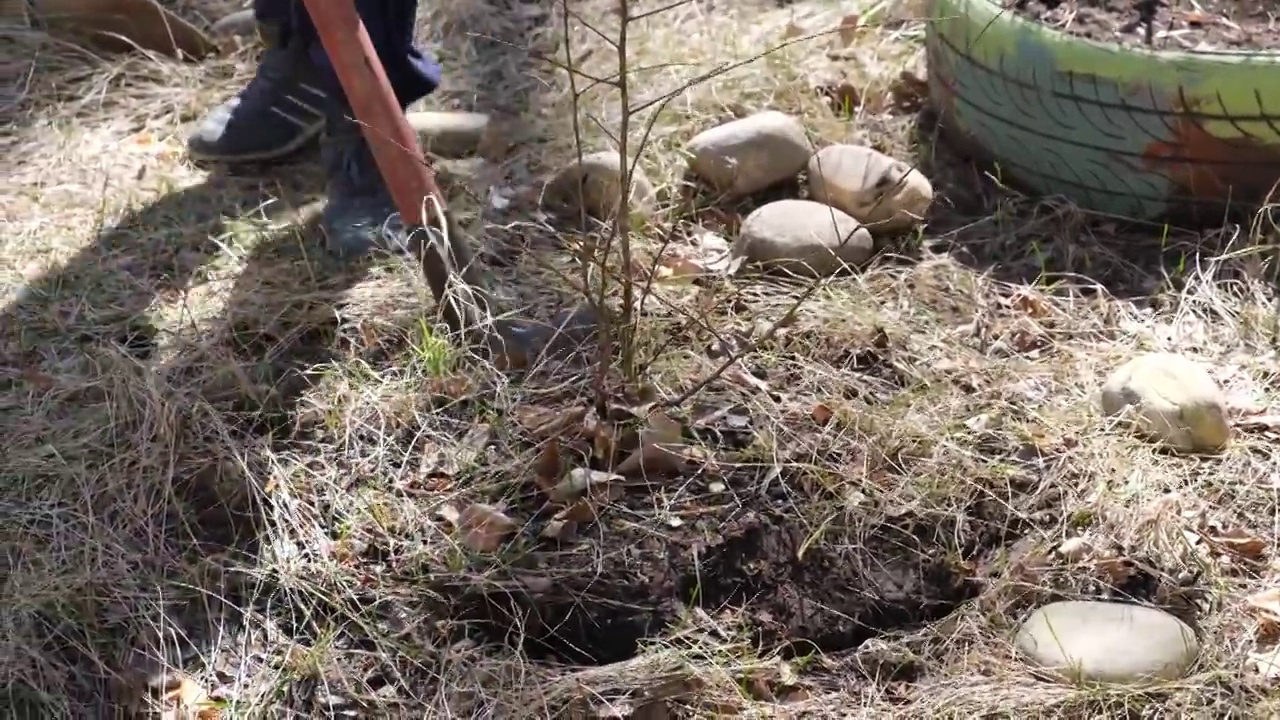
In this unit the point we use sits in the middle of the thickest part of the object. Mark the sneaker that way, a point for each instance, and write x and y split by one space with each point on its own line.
278 112
359 214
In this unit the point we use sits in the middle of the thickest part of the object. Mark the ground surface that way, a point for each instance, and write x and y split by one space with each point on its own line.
1179 25
228 456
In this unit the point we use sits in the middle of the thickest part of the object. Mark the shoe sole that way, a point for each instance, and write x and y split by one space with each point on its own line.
307 135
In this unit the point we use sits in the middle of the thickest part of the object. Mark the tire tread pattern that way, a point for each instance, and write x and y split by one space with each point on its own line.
1089 138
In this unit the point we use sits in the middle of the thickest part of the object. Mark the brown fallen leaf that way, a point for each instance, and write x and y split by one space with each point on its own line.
1241 543
1030 303
821 414
185 698
792 31
656 459
583 511
660 428
484 527
843 97
1118 569
549 467
909 92
848 30
604 441
39 380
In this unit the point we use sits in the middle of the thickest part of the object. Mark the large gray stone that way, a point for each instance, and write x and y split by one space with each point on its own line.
1171 399
594 185
886 195
750 154
1108 641
449 134
802 237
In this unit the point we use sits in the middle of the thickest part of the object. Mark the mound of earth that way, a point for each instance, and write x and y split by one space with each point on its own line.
797 587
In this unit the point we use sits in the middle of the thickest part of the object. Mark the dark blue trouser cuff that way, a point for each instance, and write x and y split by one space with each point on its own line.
414 74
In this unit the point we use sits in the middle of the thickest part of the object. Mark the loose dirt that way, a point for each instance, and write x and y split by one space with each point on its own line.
1205 26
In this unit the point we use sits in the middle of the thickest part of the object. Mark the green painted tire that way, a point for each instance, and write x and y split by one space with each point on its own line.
1115 129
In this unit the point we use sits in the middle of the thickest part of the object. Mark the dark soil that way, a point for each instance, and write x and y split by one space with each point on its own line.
1206 26
755 564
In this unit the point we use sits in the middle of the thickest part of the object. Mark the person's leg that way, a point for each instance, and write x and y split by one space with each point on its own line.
359 203
413 73
283 106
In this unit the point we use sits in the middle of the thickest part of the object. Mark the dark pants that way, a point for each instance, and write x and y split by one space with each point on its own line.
412 72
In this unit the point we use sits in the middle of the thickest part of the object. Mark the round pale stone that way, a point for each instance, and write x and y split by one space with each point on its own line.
1108 641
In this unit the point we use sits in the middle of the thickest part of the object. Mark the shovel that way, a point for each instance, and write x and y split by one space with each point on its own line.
430 232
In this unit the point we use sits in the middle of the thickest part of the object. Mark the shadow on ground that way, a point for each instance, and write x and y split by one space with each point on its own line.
143 447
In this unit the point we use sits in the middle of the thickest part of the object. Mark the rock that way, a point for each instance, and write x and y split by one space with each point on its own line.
886 195
450 134
750 154
237 24
594 185
1107 641
802 237
1170 399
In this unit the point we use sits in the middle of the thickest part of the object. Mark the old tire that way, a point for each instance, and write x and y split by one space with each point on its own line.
1115 129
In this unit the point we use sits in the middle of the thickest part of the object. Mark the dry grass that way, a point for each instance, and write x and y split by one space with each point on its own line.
225 456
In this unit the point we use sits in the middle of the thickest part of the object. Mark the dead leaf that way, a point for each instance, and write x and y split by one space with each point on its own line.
708 254
548 468
1267 602
657 459
843 97
583 511
821 414
535 583
661 428
41 381
559 529
185 698
604 441
449 514
909 92
1076 548
484 527
1241 543
848 30
792 31
1117 569
1029 302
583 481
737 375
